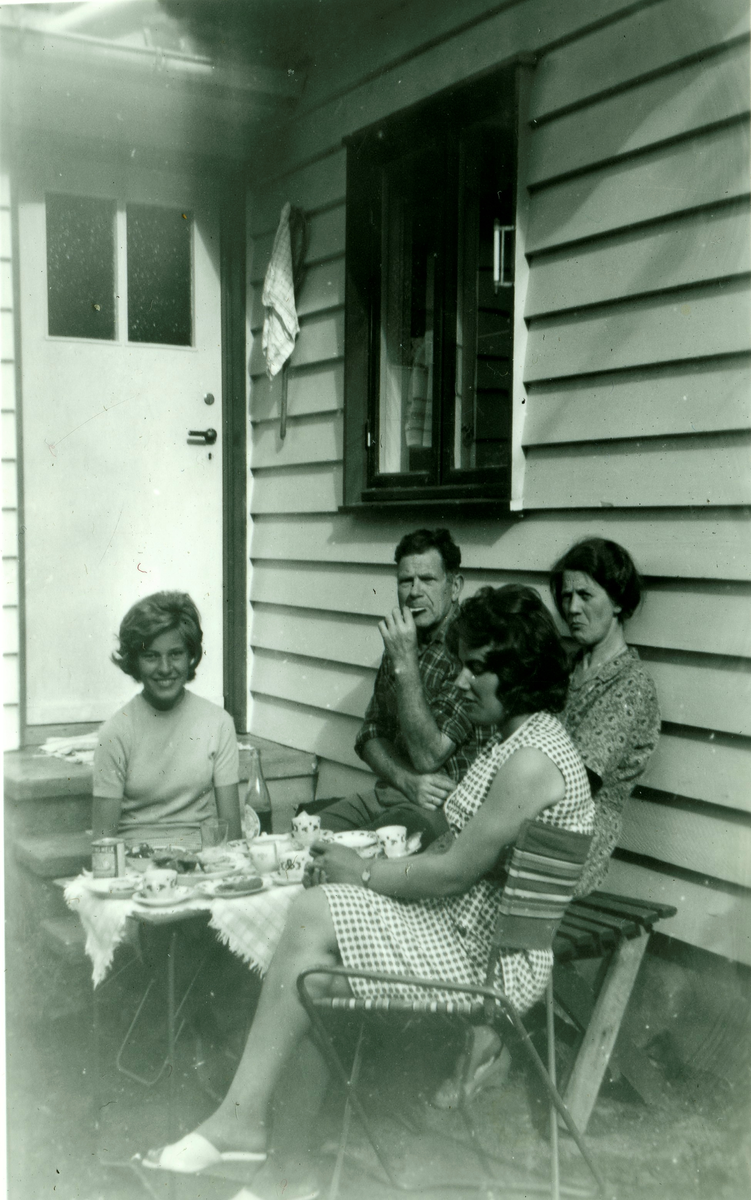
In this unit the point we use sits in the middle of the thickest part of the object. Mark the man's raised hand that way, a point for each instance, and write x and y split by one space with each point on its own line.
399 634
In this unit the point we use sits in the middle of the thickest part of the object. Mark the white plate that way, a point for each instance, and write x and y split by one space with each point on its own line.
104 887
166 899
211 889
281 879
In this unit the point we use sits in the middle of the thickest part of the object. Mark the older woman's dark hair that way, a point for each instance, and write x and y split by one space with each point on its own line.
609 565
422 540
527 654
160 613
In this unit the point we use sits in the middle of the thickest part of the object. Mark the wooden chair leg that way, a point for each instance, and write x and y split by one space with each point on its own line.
586 1077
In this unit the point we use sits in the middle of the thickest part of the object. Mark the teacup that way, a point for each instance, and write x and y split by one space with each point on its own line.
292 866
159 879
264 856
361 840
393 838
306 828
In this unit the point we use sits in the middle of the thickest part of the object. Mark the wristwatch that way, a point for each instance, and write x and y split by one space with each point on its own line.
366 876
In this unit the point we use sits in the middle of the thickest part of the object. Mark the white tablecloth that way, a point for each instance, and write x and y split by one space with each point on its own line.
250 926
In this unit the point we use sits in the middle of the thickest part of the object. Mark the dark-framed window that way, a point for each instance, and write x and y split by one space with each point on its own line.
431 197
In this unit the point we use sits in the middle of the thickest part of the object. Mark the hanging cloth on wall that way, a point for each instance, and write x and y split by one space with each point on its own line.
283 277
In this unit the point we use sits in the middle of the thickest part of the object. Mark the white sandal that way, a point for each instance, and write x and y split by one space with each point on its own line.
194 1153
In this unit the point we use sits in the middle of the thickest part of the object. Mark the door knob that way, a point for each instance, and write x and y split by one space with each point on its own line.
208 436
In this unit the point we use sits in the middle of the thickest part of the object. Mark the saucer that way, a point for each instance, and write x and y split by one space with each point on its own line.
120 887
281 878
166 899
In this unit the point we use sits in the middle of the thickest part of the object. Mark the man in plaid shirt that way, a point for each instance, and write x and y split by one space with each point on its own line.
417 736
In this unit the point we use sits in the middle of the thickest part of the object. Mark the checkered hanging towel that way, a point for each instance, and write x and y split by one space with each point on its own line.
280 326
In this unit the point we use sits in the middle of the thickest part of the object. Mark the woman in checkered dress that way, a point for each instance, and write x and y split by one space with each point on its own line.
427 915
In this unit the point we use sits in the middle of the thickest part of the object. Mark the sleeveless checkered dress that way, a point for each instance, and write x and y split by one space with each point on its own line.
450 937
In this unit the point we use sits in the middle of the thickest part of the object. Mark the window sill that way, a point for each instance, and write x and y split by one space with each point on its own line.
435 508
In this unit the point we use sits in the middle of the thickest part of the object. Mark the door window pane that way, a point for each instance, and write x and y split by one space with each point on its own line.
80 266
160 275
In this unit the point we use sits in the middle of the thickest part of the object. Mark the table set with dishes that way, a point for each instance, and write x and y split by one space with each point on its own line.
246 887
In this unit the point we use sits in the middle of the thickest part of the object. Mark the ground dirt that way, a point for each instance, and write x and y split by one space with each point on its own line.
693 1146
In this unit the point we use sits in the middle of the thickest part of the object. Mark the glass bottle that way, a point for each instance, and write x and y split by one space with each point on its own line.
257 798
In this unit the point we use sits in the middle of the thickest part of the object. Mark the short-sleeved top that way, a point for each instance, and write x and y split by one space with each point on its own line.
448 706
450 937
614 720
164 766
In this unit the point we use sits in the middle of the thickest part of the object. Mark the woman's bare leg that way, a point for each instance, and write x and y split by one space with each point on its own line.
309 940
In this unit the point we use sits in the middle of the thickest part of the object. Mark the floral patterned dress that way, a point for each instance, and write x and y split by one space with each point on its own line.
614 721
449 937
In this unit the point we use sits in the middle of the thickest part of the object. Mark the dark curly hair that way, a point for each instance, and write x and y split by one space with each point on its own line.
160 613
527 654
609 565
423 540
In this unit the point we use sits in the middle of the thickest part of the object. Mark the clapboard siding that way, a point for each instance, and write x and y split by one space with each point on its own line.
701 690
309 489
322 288
690 249
643 43
691 693
10 536
703 617
324 232
308 440
636 385
691 323
317 185
328 635
703 469
10 630
695 616
321 337
703 544
702 766
685 100
319 684
10 582
716 919
700 841
705 691
328 734
696 398
396 81
8 430
8 383
10 496
702 170
310 390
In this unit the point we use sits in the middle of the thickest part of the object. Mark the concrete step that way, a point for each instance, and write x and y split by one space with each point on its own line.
54 854
64 937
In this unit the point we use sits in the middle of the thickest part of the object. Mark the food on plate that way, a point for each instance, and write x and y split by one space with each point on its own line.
140 850
238 883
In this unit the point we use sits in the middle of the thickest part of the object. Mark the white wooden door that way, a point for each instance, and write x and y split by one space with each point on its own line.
117 502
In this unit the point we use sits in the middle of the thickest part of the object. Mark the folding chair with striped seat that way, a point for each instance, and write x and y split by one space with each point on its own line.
538 881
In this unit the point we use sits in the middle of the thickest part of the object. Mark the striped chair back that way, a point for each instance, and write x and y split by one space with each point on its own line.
542 872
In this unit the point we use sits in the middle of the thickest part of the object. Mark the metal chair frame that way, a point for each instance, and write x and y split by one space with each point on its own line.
533 903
